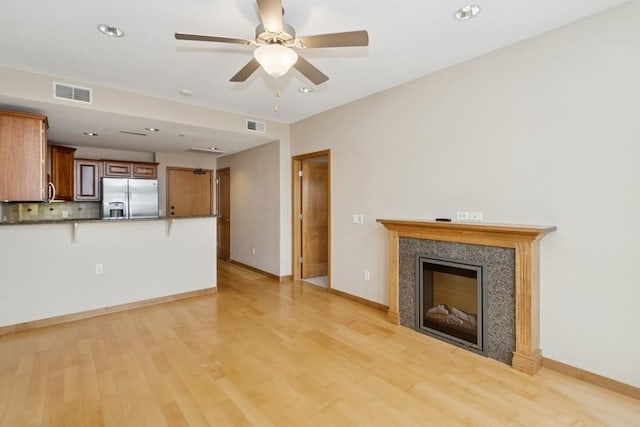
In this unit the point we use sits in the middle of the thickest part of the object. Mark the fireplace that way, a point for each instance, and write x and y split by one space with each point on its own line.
511 254
451 301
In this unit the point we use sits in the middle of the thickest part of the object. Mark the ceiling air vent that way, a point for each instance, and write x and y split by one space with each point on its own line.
71 93
256 126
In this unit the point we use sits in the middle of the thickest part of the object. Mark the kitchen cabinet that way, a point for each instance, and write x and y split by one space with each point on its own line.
87 180
119 169
61 169
23 151
145 170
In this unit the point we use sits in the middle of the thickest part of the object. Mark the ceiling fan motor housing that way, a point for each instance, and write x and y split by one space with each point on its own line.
286 37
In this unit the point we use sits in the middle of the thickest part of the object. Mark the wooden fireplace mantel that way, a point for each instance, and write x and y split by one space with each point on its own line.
527 356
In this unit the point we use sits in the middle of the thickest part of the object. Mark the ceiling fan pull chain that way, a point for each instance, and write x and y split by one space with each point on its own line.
275 106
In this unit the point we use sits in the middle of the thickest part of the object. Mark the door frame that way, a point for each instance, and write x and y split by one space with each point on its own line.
296 207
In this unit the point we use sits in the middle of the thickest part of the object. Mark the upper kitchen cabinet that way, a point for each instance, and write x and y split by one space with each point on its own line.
61 170
87 178
120 169
145 170
23 148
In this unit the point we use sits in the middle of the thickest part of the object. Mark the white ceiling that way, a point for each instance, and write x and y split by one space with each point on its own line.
408 39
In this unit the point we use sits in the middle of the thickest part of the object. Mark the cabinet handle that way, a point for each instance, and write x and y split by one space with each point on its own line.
52 192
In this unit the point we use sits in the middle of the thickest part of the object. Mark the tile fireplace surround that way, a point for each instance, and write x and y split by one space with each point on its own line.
527 356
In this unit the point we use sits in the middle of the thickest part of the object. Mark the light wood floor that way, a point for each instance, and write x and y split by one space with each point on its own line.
263 353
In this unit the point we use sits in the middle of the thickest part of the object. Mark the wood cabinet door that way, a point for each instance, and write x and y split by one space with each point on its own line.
145 170
62 171
117 169
223 199
189 192
22 152
87 180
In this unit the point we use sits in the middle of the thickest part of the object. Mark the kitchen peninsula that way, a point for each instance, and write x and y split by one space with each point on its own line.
60 260
55 271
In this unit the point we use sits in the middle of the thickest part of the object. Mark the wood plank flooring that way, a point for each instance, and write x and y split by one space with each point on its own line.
264 353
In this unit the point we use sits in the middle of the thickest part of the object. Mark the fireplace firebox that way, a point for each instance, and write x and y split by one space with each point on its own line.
451 301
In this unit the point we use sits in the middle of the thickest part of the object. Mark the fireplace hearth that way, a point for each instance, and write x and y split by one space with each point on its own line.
451 301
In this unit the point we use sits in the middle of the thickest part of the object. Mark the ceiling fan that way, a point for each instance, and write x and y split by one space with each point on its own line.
275 40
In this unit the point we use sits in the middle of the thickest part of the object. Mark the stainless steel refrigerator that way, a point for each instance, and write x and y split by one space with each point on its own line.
129 198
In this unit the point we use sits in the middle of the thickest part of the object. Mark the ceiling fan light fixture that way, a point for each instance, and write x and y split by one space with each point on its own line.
275 59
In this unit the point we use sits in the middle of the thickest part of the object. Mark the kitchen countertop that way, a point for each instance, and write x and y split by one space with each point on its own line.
104 220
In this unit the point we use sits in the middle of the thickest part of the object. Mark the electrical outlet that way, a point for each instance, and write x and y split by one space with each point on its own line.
99 269
475 216
65 214
367 275
462 215
253 251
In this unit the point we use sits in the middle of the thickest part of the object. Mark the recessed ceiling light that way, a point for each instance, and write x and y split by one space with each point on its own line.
90 134
305 89
110 30
467 12
153 129
186 92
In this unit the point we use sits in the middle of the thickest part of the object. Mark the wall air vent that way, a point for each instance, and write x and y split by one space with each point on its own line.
71 93
256 126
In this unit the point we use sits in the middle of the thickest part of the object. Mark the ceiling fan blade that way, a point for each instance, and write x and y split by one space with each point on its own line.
246 71
271 15
309 71
197 37
346 39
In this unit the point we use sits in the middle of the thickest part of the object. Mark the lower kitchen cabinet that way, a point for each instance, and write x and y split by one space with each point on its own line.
87 182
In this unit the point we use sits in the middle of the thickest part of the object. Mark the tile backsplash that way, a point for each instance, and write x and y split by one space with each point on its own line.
56 211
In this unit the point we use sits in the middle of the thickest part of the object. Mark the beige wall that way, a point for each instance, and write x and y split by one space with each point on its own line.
255 207
101 153
542 132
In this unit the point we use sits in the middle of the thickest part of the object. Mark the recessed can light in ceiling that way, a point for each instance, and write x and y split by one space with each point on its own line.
467 12
305 89
90 134
153 129
110 30
186 92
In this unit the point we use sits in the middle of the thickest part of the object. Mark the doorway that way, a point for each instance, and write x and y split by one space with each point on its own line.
223 210
189 192
311 218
